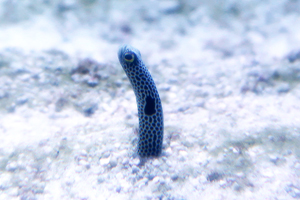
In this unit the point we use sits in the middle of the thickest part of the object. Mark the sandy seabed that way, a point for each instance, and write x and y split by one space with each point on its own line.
228 75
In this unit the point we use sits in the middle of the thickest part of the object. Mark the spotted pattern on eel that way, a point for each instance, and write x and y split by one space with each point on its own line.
151 124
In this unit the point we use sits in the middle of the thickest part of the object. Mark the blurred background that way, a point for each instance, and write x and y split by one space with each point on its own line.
228 74
93 26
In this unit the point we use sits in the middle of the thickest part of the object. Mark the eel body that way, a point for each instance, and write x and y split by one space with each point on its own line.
150 112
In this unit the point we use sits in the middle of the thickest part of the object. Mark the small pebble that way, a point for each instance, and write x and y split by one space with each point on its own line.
174 177
125 161
22 100
12 166
89 111
293 190
293 56
92 82
118 189
183 153
135 170
214 176
104 161
142 182
237 187
113 162
156 163
169 7
283 88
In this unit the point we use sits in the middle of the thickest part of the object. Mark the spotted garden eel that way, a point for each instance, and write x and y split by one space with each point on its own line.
151 124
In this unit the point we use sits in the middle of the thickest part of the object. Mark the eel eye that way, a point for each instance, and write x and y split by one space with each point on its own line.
129 57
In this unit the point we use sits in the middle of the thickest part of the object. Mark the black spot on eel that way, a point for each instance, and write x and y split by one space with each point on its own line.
150 112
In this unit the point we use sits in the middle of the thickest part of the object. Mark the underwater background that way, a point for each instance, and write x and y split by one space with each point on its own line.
228 73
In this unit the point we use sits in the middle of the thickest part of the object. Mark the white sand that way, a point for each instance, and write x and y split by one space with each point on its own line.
230 97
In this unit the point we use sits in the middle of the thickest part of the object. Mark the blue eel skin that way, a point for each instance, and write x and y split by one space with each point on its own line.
150 112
